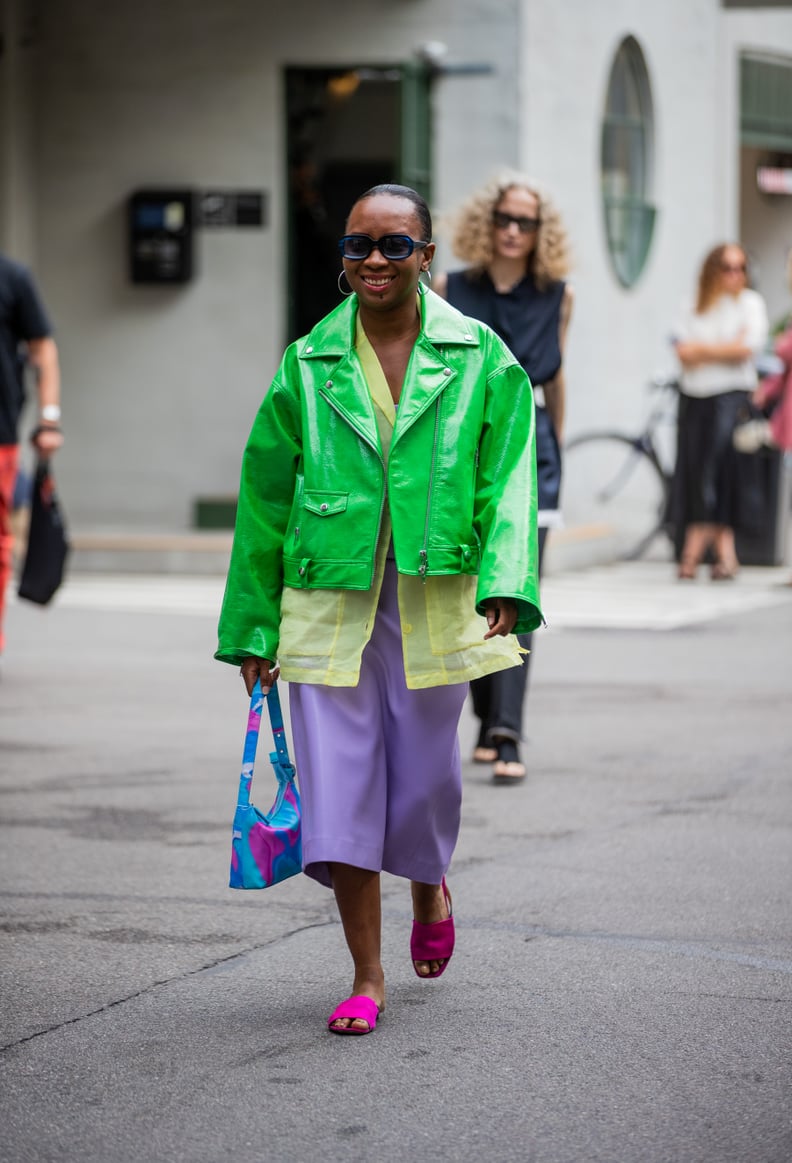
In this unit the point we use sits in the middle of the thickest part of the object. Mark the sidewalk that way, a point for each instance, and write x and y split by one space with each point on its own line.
628 595
622 985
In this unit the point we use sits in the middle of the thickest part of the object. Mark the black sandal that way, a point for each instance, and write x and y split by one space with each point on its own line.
508 768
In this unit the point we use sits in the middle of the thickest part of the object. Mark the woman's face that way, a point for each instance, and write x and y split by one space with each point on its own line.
515 224
384 284
732 271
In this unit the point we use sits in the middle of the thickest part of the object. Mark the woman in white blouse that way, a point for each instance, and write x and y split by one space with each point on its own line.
717 344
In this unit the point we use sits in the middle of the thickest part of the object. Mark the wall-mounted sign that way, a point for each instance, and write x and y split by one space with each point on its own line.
774 179
231 208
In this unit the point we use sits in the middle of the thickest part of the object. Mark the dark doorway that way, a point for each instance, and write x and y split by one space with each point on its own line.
347 130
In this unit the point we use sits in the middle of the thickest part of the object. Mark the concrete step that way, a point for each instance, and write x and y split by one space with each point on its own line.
186 552
207 551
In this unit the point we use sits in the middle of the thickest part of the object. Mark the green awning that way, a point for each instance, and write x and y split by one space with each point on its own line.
766 102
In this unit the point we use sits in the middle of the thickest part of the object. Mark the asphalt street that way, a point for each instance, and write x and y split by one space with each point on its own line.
622 984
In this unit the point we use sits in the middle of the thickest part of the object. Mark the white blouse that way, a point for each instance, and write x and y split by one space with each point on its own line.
730 318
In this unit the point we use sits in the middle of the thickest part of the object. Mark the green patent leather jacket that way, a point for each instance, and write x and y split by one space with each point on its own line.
460 479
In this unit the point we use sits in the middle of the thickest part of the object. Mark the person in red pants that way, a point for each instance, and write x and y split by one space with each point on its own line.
25 340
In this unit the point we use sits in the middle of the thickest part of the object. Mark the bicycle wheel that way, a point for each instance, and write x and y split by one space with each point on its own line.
615 491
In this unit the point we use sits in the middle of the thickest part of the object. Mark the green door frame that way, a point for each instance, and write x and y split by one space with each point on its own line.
416 127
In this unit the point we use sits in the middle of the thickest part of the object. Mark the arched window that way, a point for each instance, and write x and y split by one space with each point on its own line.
627 162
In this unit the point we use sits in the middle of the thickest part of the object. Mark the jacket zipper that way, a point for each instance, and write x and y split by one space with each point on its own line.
423 553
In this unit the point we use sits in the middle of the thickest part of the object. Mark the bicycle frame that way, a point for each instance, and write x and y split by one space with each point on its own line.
632 532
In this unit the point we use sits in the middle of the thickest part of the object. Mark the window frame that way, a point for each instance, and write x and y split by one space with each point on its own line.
629 214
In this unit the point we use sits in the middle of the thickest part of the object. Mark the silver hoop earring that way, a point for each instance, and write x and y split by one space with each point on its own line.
346 294
428 274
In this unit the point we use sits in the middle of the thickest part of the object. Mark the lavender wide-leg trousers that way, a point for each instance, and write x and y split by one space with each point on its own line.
377 764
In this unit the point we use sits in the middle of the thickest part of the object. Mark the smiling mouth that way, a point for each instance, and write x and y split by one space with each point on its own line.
377 284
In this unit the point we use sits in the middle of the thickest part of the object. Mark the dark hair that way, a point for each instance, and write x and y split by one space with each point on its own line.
410 195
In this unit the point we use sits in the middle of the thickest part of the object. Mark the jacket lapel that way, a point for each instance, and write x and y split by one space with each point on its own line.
347 392
428 372
337 375
427 376
343 385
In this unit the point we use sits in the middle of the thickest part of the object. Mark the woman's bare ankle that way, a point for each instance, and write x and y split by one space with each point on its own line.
429 903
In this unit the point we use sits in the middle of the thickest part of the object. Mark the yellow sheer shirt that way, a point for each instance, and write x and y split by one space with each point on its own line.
323 632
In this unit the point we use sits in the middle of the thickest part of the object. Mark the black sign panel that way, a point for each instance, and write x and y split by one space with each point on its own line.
232 208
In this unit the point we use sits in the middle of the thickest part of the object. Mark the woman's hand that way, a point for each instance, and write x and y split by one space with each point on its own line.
258 668
501 616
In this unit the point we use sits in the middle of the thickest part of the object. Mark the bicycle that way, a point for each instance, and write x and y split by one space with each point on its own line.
599 465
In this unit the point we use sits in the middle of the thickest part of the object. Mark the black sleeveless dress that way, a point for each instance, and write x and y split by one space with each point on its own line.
527 320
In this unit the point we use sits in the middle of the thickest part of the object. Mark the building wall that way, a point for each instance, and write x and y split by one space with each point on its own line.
161 385
766 232
18 60
619 337
762 223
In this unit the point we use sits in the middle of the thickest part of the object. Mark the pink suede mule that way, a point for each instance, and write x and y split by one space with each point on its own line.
435 941
358 1007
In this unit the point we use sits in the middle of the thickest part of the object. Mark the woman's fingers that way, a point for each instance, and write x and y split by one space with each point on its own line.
258 668
501 617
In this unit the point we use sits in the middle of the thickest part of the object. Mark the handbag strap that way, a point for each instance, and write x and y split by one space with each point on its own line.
284 769
278 730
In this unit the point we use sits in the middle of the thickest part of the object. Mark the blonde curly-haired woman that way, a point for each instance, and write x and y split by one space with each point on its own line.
515 246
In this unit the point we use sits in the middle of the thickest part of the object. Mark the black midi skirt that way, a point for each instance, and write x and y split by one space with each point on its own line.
713 483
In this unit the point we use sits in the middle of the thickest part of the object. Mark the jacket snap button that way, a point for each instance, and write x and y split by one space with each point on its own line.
467 335
446 371
329 384
323 508
308 350
301 570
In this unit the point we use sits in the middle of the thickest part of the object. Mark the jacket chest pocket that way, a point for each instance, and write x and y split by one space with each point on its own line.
325 504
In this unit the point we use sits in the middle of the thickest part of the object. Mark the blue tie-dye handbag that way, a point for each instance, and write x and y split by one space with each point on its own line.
266 849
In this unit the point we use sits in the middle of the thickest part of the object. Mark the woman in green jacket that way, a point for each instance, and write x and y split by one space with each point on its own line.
385 553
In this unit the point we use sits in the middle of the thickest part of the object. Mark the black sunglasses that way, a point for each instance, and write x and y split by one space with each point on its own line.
524 225
391 246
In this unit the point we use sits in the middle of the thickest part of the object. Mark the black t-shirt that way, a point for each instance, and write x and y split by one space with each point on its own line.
22 317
